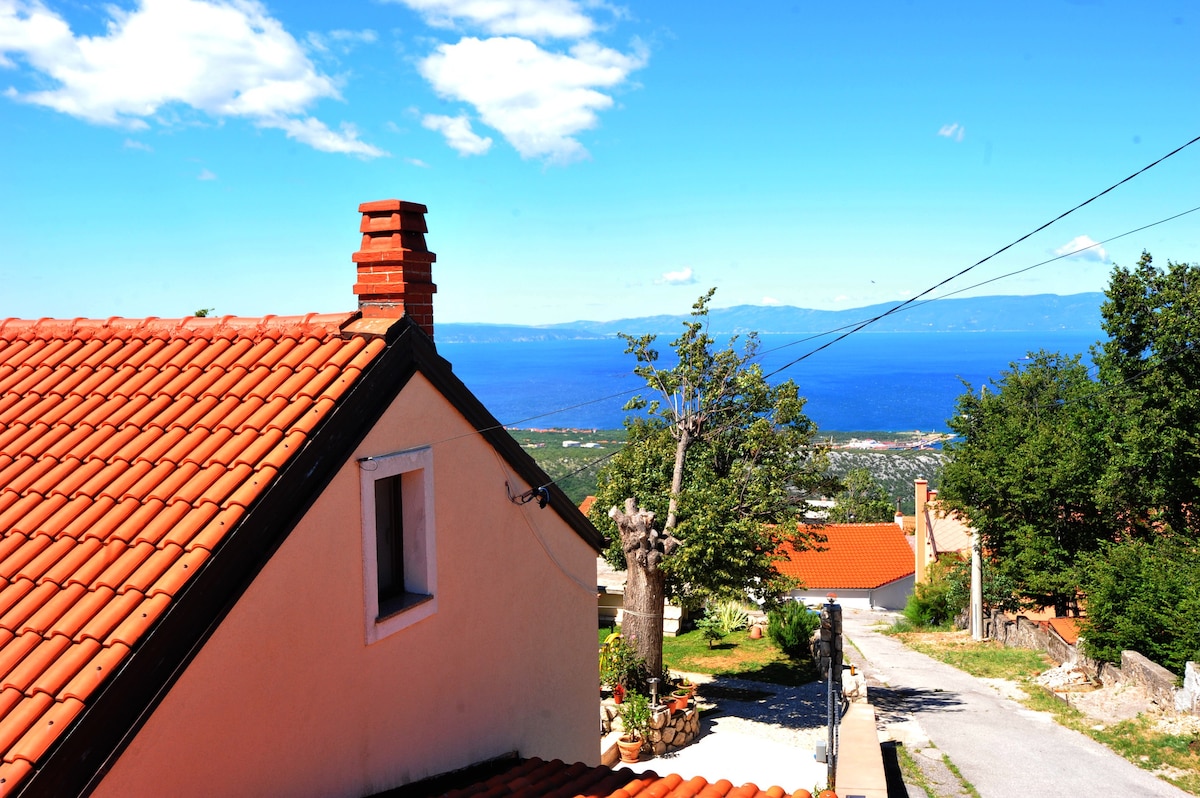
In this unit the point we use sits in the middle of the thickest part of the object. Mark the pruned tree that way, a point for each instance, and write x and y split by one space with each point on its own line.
725 459
644 548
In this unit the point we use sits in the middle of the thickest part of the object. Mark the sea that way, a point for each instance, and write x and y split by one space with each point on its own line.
895 382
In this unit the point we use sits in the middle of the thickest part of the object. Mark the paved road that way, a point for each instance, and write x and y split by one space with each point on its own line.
1002 748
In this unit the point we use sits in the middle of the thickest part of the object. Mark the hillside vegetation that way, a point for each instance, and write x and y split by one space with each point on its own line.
574 467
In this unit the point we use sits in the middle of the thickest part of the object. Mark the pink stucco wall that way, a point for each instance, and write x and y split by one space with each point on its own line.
286 698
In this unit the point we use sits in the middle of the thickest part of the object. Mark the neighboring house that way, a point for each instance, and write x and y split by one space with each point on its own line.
938 531
278 556
866 565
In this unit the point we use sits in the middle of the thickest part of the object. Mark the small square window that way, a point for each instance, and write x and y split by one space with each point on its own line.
399 571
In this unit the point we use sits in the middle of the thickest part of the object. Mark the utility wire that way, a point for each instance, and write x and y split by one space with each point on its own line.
914 301
981 261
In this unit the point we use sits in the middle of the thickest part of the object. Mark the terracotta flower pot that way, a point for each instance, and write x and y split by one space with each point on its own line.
755 632
631 750
680 698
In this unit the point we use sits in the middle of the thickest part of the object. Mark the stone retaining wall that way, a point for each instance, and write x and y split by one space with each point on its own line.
670 730
1160 684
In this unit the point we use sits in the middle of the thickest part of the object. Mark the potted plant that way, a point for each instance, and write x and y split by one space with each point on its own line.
680 699
635 720
618 693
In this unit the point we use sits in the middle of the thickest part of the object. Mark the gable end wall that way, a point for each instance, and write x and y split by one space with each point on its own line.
287 698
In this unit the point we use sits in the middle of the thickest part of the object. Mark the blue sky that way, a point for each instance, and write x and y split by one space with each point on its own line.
583 159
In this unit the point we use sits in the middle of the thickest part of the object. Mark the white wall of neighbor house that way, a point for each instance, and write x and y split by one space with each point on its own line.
288 698
892 596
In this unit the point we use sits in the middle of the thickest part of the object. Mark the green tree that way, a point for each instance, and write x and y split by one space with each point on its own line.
1144 595
1024 472
725 459
861 500
1151 367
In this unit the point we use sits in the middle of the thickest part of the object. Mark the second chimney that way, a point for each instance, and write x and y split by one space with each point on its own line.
394 265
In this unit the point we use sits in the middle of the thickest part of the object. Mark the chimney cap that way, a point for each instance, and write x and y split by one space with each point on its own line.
379 206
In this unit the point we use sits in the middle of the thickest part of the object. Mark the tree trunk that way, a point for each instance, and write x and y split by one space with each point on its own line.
681 447
645 585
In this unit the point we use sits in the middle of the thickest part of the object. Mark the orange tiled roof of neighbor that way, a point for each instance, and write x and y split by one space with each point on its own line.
1067 628
534 778
853 556
128 448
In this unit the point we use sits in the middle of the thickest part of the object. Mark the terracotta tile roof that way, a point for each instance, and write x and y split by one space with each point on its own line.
586 505
128 449
1067 629
853 556
537 778
948 533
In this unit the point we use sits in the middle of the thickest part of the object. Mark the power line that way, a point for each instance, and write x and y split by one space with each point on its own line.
981 261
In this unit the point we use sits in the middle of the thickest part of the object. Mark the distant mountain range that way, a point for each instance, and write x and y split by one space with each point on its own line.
1038 312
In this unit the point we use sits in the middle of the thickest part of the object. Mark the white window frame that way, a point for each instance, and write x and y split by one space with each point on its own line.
415 469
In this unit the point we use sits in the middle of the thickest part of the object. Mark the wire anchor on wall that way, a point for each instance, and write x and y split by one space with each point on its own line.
541 494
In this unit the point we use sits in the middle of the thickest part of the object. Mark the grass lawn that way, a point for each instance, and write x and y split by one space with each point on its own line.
736 655
985 658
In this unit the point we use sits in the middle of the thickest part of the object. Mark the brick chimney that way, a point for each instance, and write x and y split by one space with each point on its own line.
394 265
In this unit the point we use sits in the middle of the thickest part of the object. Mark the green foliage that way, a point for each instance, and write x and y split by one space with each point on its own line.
1144 595
861 500
635 716
747 462
710 628
1024 472
730 616
934 604
620 665
1151 363
791 627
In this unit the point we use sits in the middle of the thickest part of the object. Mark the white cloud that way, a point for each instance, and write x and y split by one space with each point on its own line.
134 144
538 19
1083 248
771 301
683 276
224 58
537 99
416 162
364 36
315 134
953 131
458 133
206 175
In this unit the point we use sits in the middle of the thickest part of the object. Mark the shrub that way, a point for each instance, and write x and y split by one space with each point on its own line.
710 628
1144 595
729 616
791 627
620 665
934 604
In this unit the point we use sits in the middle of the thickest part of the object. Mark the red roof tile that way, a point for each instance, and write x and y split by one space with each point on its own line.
853 556
1067 628
537 778
128 450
